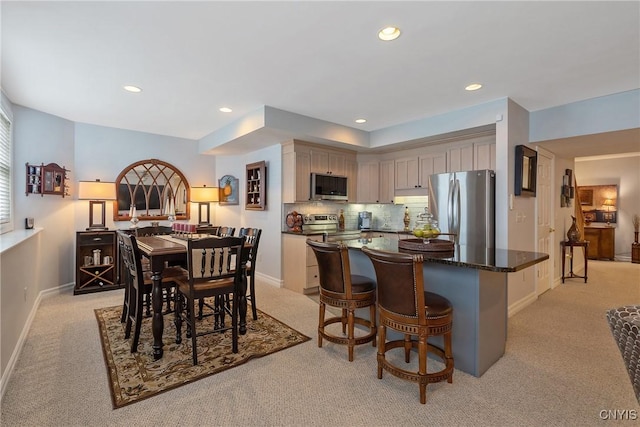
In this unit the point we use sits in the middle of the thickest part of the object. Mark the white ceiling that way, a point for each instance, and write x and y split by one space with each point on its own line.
318 59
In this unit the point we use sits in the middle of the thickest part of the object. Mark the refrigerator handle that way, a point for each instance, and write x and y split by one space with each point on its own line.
456 210
450 210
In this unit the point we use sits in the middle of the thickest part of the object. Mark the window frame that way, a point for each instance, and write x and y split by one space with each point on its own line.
6 113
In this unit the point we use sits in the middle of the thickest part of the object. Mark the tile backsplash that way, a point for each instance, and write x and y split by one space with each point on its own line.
391 215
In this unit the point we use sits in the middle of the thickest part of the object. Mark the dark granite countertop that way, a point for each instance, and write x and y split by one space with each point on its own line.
376 230
304 233
498 260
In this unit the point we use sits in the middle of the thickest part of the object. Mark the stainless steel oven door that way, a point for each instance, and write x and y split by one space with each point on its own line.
342 235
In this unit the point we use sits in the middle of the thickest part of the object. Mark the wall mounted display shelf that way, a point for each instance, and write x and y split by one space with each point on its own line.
256 198
46 179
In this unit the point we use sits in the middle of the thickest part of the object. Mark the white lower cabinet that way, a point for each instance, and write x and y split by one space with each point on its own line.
300 268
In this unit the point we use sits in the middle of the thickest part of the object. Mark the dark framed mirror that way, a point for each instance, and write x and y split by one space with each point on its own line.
525 171
154 188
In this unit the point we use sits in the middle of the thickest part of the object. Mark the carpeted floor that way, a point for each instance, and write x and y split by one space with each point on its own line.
561 368
137 376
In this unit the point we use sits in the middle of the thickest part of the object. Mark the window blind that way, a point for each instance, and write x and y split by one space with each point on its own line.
5 170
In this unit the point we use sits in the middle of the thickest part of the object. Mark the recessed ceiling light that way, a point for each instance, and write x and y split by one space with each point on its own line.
473 86
226 109
134 89
361 120
389 33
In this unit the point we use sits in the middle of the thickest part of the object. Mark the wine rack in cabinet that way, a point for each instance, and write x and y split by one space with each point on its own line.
96 261
256 194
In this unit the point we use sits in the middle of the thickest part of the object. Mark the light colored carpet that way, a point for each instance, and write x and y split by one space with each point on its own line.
561 368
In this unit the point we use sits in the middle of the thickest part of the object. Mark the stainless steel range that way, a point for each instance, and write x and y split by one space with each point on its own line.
328 224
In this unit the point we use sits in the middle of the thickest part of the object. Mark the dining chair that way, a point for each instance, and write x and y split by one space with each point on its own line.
226 231
137 284
339 288
405 306
214 270
153 230
158 230
220 232
208 229
252 236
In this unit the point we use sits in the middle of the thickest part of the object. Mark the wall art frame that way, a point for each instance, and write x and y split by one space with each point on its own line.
229 190
526 169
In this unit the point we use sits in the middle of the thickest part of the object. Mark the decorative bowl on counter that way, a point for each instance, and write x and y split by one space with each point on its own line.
426 245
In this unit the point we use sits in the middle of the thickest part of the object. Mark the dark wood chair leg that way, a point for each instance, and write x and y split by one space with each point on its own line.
192 327
178 316
252 292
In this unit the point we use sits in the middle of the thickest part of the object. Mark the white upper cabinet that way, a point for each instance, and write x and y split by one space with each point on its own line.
296 174
431 164
407 176
386 182
412 173
351 173
368 182
299 160
327 162
484 156
460 159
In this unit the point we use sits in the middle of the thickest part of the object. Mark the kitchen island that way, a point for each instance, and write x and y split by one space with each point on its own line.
475 281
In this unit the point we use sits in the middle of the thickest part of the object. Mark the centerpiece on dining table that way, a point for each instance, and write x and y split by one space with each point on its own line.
427 232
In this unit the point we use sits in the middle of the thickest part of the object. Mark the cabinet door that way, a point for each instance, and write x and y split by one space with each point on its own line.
303 176
368 182
431 164
337 164
386 183
319 161
352 180
484 156
460 159
607 246
406 171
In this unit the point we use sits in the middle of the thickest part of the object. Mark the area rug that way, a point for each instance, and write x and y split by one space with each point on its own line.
133 377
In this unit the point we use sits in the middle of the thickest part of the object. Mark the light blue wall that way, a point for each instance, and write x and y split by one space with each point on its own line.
269 220
592 116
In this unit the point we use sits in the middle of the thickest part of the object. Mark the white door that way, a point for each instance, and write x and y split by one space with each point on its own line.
544 220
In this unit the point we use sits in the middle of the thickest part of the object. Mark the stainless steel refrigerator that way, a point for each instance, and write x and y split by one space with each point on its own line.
464 204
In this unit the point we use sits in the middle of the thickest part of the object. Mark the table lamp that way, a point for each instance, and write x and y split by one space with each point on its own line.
203 196
96 192
608 204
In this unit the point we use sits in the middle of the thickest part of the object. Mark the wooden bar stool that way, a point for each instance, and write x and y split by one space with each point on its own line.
339 288
405 306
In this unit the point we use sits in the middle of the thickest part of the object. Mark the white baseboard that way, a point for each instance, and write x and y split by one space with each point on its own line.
522 303
4 381
269 280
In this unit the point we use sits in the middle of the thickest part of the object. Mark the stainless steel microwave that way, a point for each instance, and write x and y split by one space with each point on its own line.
328 187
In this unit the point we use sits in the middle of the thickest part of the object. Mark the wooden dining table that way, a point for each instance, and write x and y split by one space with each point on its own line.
162 250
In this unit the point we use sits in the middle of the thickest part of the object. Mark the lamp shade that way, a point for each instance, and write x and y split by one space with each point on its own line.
608 203
96 190
205 194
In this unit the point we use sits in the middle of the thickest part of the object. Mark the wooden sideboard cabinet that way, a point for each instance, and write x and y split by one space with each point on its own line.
92 276
602 242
